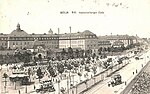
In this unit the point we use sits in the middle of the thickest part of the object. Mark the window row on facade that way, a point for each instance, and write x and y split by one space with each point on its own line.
32 38
77 37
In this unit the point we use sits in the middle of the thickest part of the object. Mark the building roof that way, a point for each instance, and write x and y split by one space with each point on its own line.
78 34
87 32
3 35
43 35
114 37
18 32
21 33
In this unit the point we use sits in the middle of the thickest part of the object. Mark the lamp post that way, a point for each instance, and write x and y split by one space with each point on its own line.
26 89
16 82
58 86
67 85
94 80
5 76
70 36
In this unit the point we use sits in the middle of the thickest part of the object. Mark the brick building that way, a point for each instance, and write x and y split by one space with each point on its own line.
20 39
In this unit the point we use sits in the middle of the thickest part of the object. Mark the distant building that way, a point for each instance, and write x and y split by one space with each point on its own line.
118 44
85 40
125 39
20 39
102 43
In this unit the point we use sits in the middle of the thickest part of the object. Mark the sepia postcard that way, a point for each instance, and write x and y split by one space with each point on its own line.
74 47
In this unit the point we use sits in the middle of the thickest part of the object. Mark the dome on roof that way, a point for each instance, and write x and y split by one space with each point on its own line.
18 31
50 31
87 32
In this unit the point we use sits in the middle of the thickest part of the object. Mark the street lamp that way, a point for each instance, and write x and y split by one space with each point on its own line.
94 79
16 82
58 86
102 76
5 76
26 89
67 85
86 84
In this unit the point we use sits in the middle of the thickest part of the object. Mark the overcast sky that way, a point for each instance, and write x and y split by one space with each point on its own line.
38 16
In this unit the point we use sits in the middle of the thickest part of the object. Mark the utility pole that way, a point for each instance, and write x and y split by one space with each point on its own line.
58 37
70 36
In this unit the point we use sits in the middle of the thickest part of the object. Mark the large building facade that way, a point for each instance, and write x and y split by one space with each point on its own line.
125 39
84 40
20 39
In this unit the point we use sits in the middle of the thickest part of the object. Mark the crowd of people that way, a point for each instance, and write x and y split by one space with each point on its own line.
142 86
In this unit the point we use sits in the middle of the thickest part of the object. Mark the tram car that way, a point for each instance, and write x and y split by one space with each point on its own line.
115 80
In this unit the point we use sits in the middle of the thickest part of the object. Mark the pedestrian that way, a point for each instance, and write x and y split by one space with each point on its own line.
136 71
19 92
34 87
72 92
125 82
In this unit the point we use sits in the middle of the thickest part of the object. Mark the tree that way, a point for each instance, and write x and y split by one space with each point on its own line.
81 53
94 69
76 65
88 60
2 48
39 73
100 50
40 57
88 52
51 71
80 74
70 52
27 56
18 56
108 49
87 68
60 68
77 53
94 55
82 62
69 67
49 52
58 58
23 56
104 49
63 53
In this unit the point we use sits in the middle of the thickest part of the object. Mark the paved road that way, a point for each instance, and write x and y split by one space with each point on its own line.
127 75
128 88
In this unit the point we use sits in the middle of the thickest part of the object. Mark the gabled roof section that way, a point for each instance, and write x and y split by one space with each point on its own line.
114 37
87 32
78 34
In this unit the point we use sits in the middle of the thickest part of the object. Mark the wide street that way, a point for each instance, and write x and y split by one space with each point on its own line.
127 73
